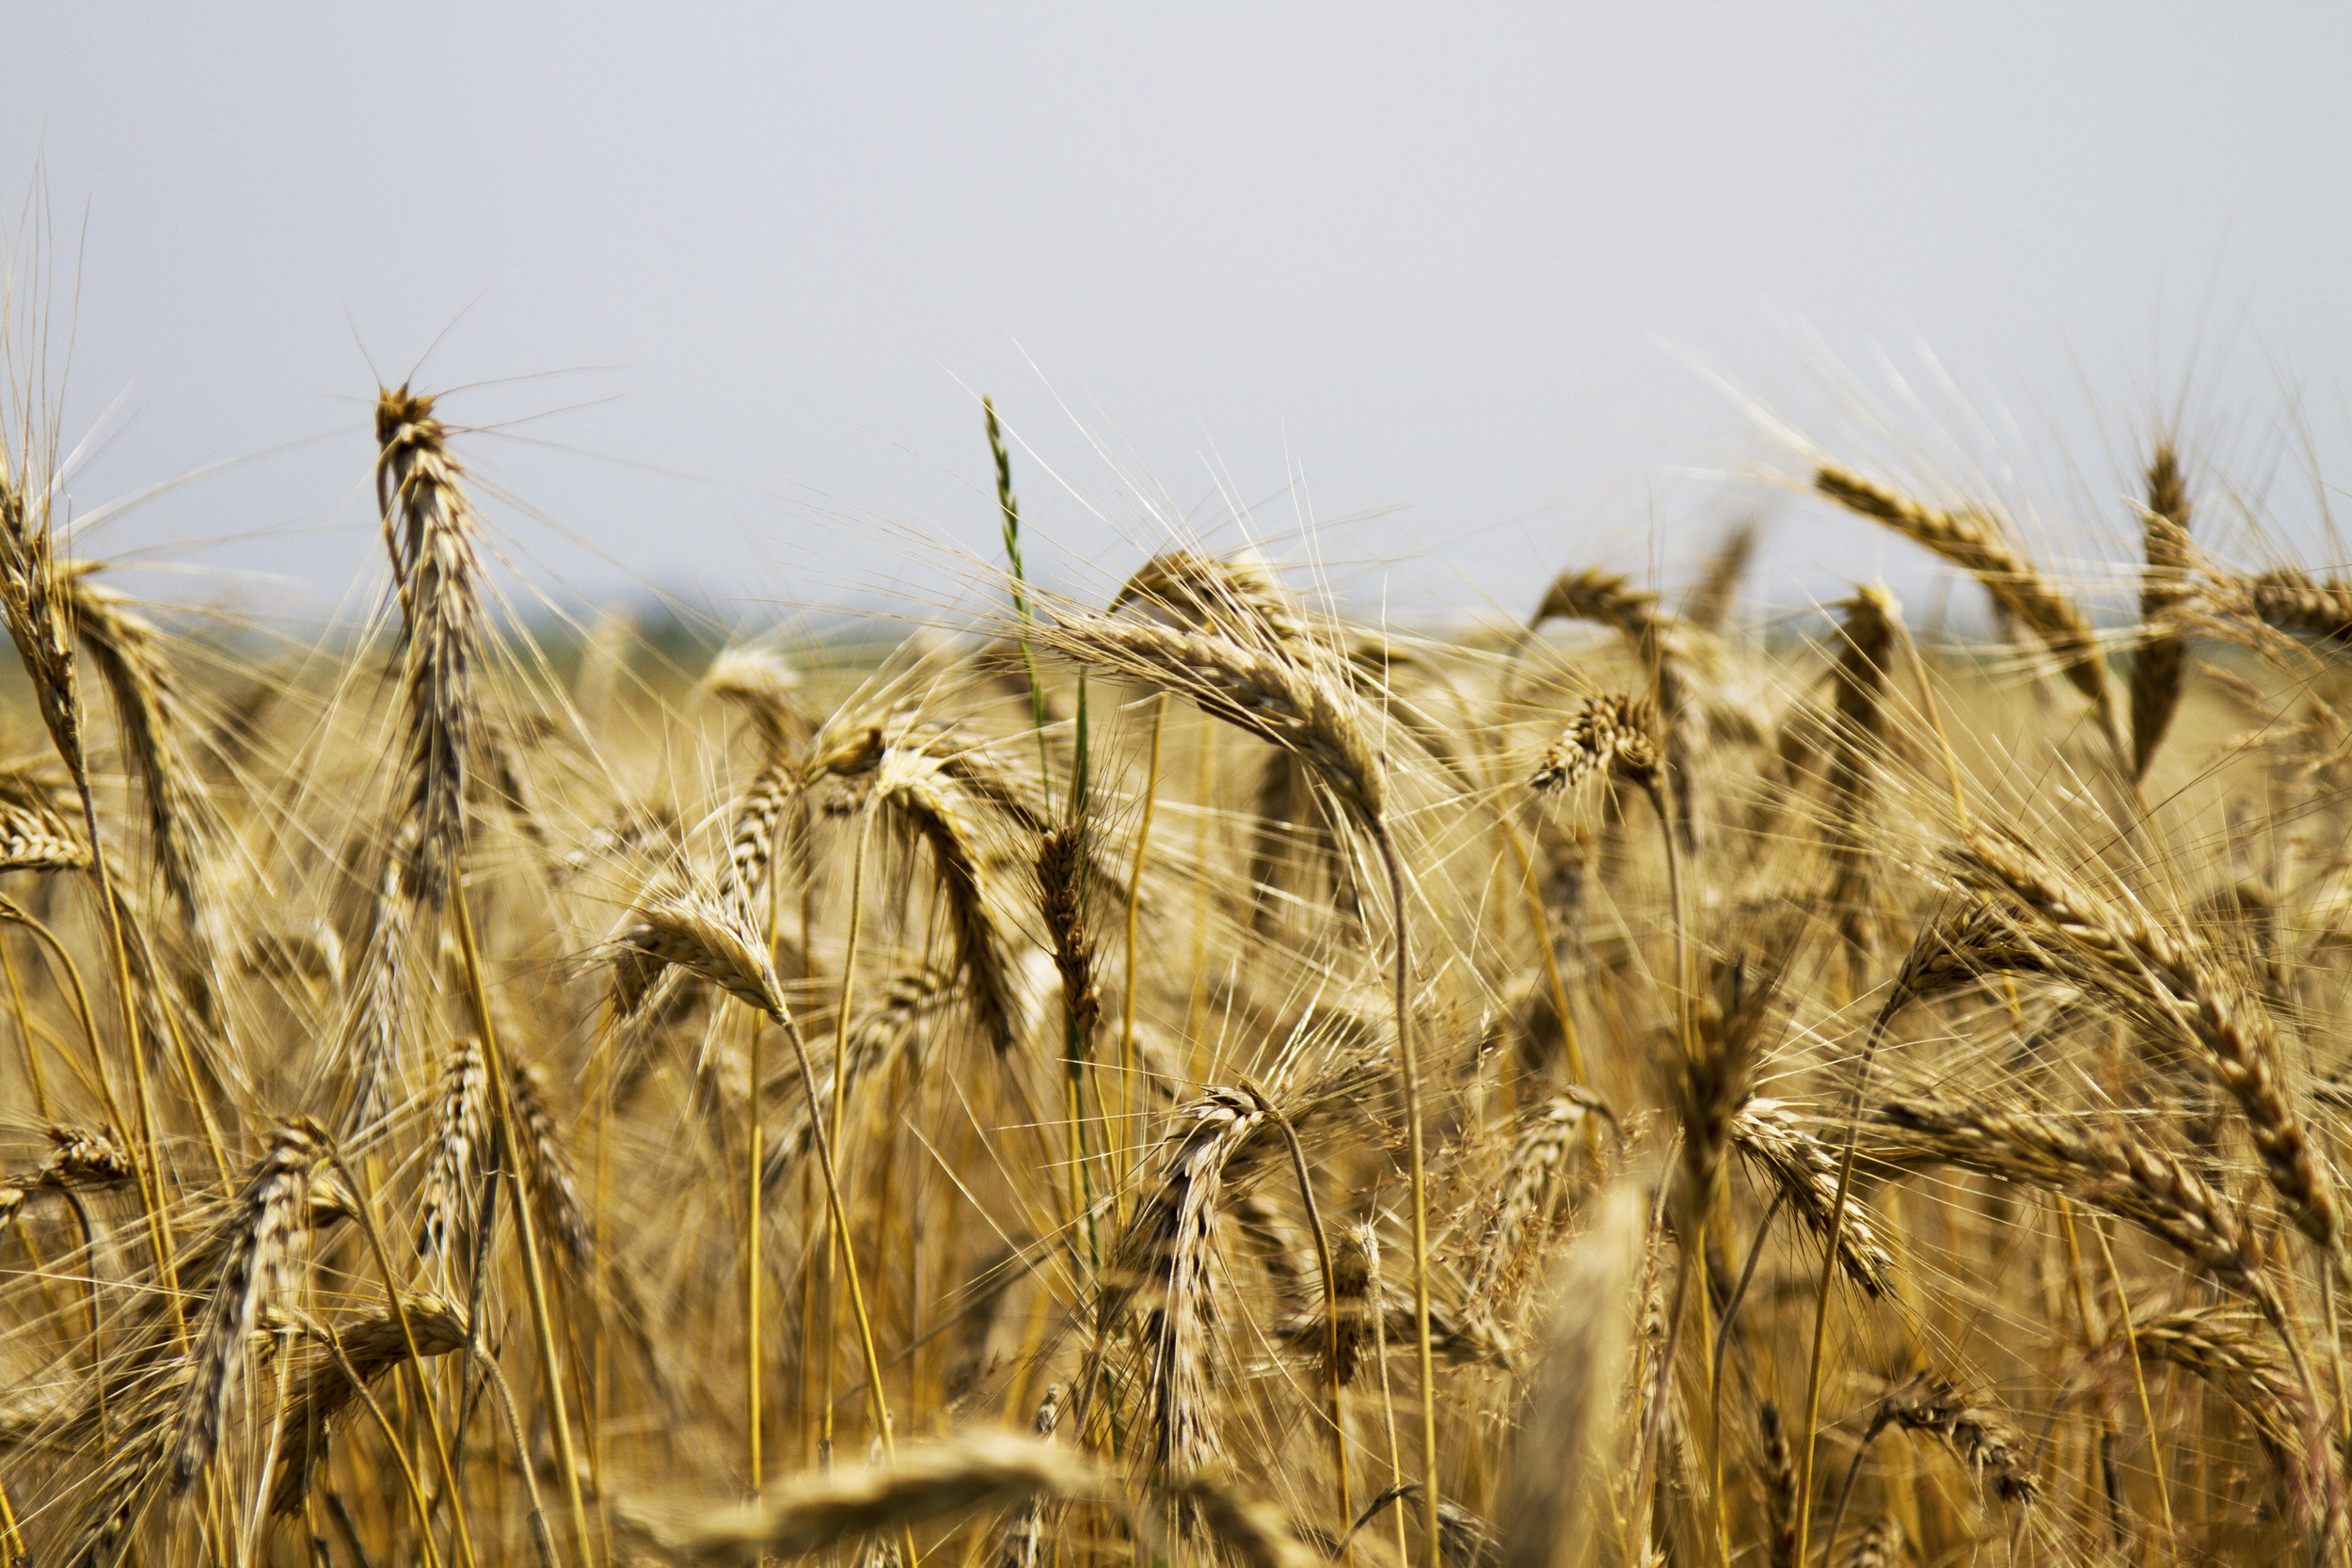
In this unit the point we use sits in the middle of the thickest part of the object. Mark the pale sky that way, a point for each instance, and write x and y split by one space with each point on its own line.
1448 281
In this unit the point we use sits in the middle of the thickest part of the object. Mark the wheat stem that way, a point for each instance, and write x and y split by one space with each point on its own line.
2139 1387
1410 1071
1134 905
1330 1284
365 1192
535 1283
838 1252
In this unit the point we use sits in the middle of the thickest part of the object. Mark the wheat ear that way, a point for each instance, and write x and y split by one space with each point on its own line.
1803 1169
2160 664
1779 1474
1310 711
268 1215
1709 601
457 1129
364 1352
1976 543
1606 599
1881 1546
816 1510
1865 636
429 532
2138 956
2105 1170
2293 601
698 935
1023 1534
126 650
1237 598
1547 1504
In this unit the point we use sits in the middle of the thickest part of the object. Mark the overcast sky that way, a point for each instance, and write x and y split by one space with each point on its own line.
1454 283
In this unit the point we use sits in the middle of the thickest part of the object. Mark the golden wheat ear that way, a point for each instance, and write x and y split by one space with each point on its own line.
1859 679
2159 667
128 651
1975 542
1708 603
356 1356
431 534
981 1470
270 1216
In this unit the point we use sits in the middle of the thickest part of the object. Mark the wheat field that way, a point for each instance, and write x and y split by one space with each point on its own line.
1178 1076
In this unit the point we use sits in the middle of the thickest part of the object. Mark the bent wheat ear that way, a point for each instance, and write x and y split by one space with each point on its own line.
1294 703
1163 1260
1771 1139
371 1347
2226 1350
2295 602
1605 599
2121 1176
34 839
922 796
126 649
2142 960
1975 544
815 1511
763 686
77 1160
1254 1531
1606 736
699 936
1993 1449
1237 597
1600 596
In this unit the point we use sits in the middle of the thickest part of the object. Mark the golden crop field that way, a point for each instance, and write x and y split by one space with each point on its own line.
1180 1077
